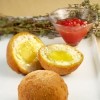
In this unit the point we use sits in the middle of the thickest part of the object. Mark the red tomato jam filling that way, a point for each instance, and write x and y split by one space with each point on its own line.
71 30
72 22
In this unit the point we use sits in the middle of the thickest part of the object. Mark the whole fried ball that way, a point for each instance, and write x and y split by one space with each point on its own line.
42 85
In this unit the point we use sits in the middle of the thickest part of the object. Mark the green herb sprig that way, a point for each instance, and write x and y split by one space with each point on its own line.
39 25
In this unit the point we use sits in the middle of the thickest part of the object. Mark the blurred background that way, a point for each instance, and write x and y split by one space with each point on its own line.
34 7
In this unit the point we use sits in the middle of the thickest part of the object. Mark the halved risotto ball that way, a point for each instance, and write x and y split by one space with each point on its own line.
60 58
22 52
42 85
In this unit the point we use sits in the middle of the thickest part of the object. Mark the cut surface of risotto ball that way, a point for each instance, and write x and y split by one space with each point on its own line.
22 52
60 58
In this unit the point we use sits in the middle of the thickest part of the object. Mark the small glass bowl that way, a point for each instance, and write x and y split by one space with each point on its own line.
71 34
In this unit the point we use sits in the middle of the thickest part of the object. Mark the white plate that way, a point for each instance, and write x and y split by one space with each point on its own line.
83 84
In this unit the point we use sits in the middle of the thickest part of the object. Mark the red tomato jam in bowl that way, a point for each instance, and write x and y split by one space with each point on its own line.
72 30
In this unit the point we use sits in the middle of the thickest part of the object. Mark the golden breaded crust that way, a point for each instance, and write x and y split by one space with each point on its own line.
42 85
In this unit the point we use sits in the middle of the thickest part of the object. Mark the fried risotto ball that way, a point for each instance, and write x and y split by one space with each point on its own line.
42 85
